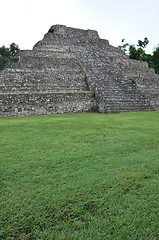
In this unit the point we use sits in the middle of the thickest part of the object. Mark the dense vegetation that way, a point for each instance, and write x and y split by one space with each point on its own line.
138 53
6 54
90 176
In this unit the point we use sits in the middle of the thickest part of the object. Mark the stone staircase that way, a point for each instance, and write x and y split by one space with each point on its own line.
114 92
146 79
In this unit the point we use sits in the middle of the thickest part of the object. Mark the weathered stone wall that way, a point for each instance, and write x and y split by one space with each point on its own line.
25 104
73 70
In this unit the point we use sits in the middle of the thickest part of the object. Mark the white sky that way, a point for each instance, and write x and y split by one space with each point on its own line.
26 21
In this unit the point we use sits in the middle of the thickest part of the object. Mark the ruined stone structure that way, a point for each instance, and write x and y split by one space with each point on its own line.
73 70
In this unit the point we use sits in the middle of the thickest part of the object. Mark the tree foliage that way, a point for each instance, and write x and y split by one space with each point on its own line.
6 54
155 59
138 53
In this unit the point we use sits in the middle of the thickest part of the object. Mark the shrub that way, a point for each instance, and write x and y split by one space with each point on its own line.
133 80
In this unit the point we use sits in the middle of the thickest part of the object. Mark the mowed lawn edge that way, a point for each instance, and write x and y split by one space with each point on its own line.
80 176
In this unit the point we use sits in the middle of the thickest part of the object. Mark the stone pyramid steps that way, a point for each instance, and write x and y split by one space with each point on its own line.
146 79
31 81
43 82
63 64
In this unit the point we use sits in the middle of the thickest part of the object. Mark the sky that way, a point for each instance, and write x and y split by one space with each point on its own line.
25 22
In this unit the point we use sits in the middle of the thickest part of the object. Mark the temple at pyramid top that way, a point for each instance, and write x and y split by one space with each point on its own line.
62 29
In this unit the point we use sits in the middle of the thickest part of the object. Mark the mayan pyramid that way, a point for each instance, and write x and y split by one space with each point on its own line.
72 70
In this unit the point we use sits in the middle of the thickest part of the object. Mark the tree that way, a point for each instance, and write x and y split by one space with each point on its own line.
138 53
155 59
7 53
4 56
124 46
133 52
13 49
143 44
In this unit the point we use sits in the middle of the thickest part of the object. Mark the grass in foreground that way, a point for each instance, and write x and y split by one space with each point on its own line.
89 176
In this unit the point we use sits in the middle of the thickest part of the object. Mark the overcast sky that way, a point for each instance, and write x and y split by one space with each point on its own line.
26 21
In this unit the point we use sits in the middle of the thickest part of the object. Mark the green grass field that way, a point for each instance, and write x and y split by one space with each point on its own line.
82 176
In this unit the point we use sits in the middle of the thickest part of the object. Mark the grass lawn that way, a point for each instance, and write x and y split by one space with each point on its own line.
82 176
